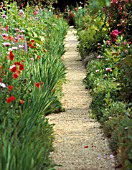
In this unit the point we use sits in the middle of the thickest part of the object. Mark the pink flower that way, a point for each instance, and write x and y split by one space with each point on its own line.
108 42
32 59
22 30
36 12
124 43
3 16
114 33
99 56
108 69
114 1
4 35
97 71
17 29
6 44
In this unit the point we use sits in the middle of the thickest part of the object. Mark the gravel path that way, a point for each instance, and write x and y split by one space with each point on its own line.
79 141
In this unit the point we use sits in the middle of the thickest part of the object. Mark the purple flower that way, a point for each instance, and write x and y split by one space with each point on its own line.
108 69
25 46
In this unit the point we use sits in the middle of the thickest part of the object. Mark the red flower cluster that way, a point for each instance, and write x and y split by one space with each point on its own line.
31 44
11 55
10 99
16 68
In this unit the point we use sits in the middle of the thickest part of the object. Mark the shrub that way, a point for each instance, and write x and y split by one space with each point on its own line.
109 76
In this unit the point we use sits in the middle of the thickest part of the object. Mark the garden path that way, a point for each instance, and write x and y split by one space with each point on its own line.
79 141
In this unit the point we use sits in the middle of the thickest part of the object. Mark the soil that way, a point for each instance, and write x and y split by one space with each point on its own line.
79 140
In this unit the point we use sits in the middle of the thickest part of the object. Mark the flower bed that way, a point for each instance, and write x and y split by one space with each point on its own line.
31 78
109 75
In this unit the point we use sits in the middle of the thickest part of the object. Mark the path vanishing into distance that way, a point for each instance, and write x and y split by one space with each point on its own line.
79 141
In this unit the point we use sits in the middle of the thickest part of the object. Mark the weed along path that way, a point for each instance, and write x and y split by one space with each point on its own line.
79 141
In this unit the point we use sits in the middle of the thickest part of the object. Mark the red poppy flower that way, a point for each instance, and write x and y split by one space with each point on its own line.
10 88
21 101
17 63
11 56
21 67
13 68
31 46
37 85
0 80
15 75
38 57
10 99
32 41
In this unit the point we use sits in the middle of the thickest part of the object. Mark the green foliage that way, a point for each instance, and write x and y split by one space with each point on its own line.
91 30
33 89
110 75
33 2
98 4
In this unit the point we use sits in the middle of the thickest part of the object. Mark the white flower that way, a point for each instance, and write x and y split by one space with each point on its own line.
21 46
11 67
112 156
14 48
3 85
22 30
9 49
21 12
